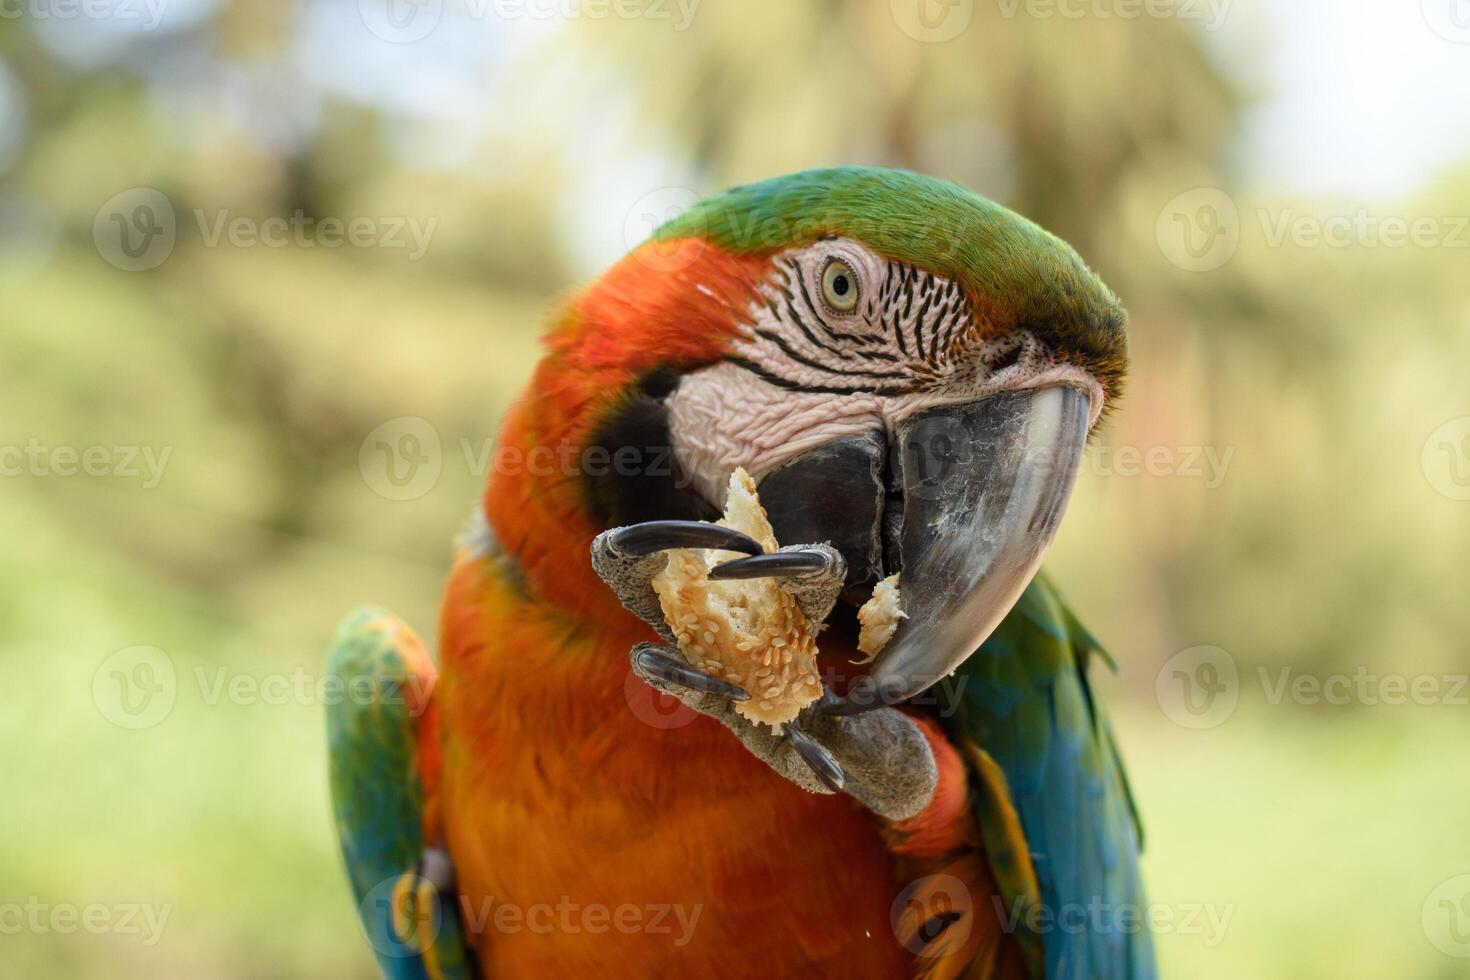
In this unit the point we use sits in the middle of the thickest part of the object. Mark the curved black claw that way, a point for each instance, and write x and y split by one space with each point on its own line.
863 695
651 536
774 565
818 758
650 659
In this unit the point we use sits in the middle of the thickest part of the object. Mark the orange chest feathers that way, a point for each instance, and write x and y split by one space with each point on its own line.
600 830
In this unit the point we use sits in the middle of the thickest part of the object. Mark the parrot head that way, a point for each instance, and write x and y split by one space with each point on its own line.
908 370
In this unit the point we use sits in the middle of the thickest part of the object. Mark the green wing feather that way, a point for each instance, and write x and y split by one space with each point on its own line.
1024 699
382 675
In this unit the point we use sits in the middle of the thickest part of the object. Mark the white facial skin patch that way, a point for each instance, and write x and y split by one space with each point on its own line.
816 363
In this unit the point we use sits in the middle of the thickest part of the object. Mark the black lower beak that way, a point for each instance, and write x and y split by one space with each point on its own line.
964 504
835 494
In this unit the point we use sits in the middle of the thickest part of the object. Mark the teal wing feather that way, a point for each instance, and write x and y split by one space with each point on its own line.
384 678
1024 699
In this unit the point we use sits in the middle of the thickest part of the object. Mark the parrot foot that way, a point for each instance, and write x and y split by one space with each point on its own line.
812 574
666 670
650 661
817 758
778 564
628 558
650 537
880 758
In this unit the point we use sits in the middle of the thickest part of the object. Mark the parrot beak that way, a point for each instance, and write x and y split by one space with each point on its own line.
966 513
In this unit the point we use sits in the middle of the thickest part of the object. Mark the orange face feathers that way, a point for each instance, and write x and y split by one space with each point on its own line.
665 306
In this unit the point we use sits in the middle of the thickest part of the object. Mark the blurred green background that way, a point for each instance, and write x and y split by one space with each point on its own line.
190 496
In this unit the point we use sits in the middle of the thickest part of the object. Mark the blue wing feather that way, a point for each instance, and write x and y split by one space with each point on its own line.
378 666
1024 699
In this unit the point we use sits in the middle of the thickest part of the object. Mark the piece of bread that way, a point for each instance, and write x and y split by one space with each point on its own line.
878 618
748 632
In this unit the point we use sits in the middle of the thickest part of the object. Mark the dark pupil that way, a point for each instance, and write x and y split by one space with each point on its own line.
839 285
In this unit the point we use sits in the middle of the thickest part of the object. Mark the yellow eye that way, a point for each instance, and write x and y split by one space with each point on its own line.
839 286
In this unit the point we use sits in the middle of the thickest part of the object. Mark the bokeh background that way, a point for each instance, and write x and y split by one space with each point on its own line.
199 405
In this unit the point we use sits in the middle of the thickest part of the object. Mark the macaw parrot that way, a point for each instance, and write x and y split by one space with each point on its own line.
910 373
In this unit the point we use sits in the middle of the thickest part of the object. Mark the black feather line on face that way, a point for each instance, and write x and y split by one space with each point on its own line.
818 389
800 358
